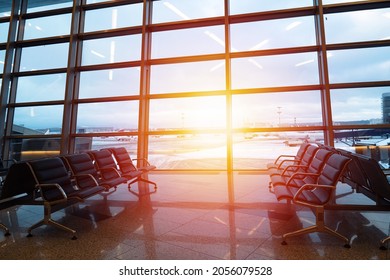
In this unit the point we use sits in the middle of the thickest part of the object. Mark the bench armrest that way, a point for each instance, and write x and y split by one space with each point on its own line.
301 174
290 167
310 187
142 159
52 193
88 176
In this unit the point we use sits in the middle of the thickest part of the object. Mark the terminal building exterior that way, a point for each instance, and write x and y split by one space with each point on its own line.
386 107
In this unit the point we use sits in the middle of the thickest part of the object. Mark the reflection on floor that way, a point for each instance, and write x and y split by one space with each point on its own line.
193 216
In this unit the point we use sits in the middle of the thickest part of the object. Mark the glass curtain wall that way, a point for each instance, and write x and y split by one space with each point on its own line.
194 85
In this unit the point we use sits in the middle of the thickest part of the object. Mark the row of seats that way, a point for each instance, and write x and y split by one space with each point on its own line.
310 177
58 182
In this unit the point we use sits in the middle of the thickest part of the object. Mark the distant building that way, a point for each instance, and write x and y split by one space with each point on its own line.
386 107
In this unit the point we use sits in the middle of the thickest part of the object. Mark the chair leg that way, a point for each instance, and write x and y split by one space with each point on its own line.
48 221
383 241
299 232
149 182
6 230
142 180
318 227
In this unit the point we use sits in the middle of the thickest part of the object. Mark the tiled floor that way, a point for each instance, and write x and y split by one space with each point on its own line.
193 216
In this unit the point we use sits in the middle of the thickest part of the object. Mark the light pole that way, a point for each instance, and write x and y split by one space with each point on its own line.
279 112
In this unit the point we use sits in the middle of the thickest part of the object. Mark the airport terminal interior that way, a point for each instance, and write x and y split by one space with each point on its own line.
202 96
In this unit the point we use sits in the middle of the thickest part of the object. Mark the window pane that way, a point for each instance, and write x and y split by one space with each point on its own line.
251 6
271 34
30 149
370 142
107 116
44 57
188 113
360 106
195 151
176 10
5 8
39 5
37 120
4 32
358 26
41 88
113 82
373 64
110 50
2 61
114 17
187 77
84 144
255 150
47 26
286 109
278 70
194 41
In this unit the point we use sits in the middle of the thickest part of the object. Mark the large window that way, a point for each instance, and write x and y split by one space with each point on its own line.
2 59
199 86
107 116
352 26
178 10
47 26
113 17
110 50
287 109
373 65
112 82
271 34
188 113
4 31
36 120
364 105
194 41
272 71
250 6
41 88
188 77
44 57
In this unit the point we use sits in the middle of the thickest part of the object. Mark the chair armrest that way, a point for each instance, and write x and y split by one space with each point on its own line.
281 157
301 174
125 164
52 193
142 159
108 169
88 176
311 187
287 168
287 161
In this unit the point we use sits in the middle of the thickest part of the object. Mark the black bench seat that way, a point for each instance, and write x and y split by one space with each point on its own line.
55 187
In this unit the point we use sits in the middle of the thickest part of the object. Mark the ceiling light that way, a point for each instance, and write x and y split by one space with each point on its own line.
293 25
98 54
304 62
176 11
259 45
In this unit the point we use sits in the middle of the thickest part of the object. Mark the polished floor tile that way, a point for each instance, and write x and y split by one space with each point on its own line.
200 216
